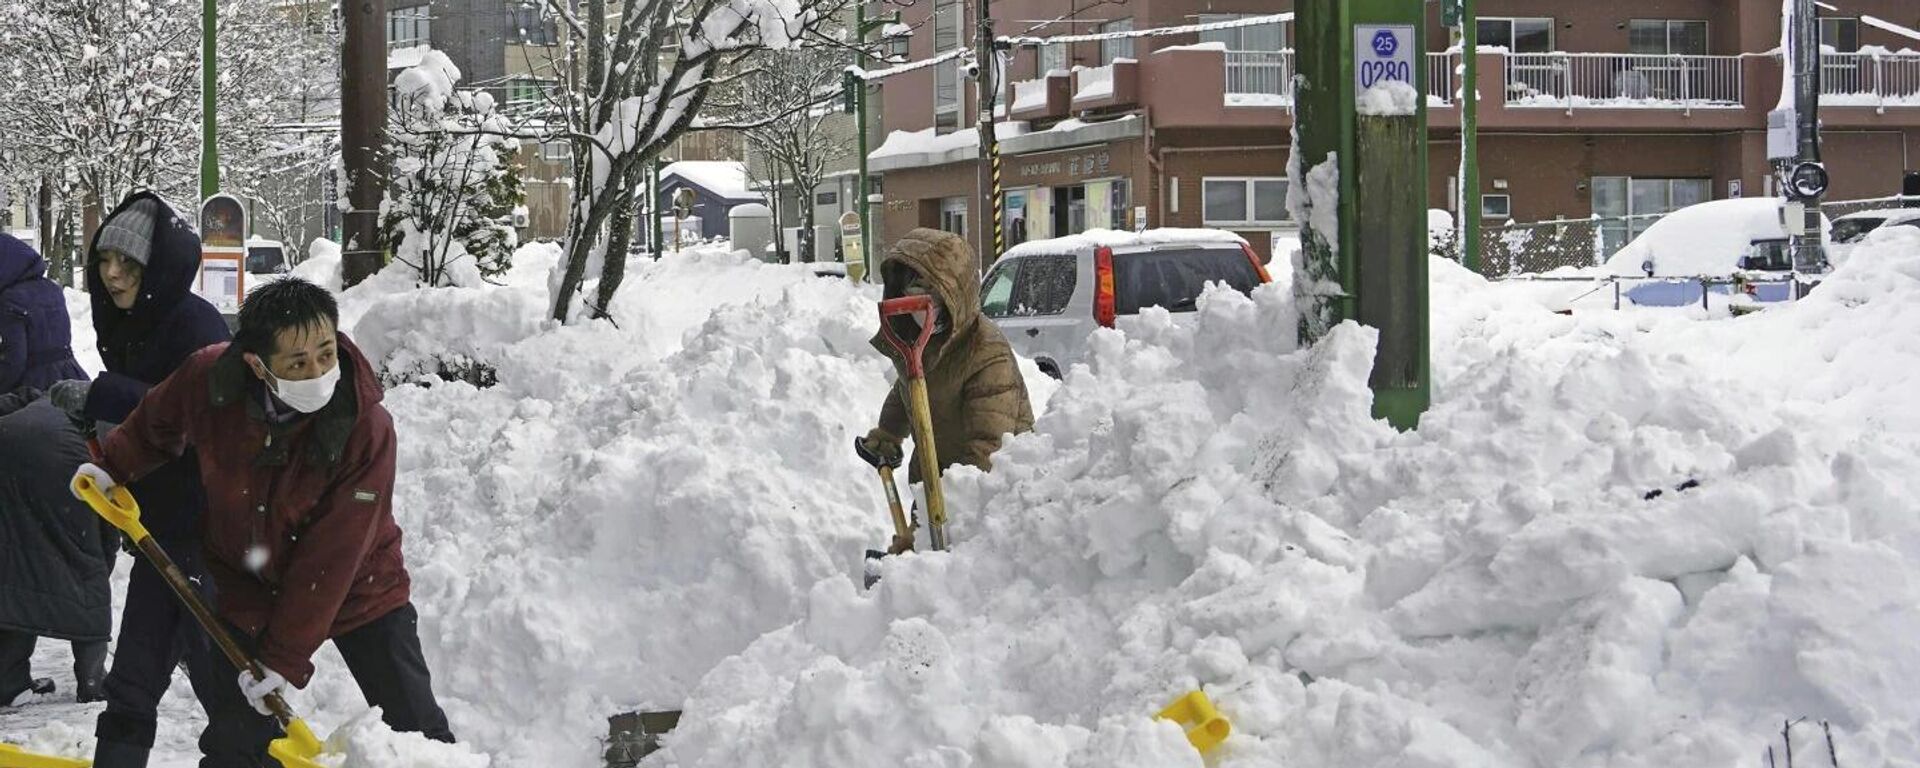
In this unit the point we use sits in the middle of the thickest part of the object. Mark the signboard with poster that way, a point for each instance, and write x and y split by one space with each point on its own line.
223 253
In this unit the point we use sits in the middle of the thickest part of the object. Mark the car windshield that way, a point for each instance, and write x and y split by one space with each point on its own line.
1851 230
1175 277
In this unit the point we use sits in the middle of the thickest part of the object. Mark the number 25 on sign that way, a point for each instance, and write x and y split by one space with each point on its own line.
1381 54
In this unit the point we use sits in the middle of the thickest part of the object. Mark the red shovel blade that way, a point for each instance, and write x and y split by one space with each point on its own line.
909 305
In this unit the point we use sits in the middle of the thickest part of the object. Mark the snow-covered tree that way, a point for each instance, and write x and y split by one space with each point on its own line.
790 105
453 184
103 96
638 75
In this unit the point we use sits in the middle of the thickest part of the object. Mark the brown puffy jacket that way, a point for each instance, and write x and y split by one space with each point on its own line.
974 388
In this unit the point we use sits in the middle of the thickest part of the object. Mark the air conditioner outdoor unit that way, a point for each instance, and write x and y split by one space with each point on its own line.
521 219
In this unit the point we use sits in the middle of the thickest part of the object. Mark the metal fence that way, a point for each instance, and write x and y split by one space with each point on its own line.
1870 79
1618 80
1260 72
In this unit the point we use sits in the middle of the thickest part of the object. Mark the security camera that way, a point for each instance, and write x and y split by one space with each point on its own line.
972 69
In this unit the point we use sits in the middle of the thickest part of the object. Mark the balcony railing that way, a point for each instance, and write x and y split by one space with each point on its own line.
1442 77
1259 78
1622 81
1878 80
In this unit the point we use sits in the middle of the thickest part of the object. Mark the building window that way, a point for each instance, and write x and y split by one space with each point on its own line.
1121 48
826 198
1496 207
1255 202
409 27
556 152
1840 33
1519 35
1667 37
953 215
525 92
1259 37
1627 206
1053 58
531 27
946 75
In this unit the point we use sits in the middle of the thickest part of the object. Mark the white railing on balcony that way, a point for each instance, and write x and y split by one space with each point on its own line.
1259 78
1622 81
1878 80
1443 79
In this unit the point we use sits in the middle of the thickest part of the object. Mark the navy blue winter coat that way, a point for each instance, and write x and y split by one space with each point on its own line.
36 341
143 345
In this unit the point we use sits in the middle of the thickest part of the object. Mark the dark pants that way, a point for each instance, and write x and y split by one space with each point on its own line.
385 660
157 632
16 666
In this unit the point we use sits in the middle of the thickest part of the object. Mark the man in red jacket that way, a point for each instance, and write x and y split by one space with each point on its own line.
297 456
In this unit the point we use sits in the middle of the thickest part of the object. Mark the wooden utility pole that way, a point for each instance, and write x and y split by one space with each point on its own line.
363 120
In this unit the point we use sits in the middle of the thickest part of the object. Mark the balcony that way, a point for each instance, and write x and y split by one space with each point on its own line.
1265 78
1576 81
1870 79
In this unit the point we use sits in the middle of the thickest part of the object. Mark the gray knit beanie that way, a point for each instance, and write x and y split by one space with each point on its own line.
130 231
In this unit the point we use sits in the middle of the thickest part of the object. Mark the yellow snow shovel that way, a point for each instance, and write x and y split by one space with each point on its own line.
14 757
919 413
299 747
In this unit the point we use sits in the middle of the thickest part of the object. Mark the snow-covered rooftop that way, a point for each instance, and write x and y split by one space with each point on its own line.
725 178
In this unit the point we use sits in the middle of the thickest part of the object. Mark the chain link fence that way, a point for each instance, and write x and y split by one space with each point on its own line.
1544 246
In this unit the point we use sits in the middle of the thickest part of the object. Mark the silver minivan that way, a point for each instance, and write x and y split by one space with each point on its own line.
1047 296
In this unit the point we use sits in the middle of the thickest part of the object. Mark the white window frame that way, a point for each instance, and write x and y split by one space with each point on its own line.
1252 205
1553 33
558 152
417 23
518 85
1121 48
946 111
1240 33
1505 205
1707 42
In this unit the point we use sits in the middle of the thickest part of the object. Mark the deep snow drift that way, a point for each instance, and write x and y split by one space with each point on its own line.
665 512
1491 590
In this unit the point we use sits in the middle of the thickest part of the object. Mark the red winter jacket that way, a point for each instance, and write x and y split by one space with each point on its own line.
315 496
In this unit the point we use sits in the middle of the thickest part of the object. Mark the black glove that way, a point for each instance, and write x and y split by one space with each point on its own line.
70 395
879 448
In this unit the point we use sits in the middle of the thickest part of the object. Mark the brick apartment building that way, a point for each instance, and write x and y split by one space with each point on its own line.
1621 108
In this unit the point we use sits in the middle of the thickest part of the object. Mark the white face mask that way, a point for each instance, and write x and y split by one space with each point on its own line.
307 395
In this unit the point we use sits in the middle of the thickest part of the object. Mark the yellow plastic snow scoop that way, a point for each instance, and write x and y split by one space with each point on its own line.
299 747
1195 712
15 757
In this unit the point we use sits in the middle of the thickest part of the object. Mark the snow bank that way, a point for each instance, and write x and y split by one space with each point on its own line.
631 502
1491 590
1110 238
366 742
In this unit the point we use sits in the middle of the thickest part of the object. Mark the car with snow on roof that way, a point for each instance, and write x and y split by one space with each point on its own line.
1049 295
1711 246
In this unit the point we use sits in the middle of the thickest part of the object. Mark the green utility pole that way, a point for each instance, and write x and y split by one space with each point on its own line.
858 98
1369 165
209 69
1469 135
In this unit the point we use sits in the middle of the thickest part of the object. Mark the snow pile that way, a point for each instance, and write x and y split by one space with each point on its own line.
1092 83
429 82
1111 238
631 502
1491 590
1030 94
366 742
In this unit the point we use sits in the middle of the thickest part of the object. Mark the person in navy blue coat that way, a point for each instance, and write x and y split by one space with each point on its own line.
141 268
54 560
35 335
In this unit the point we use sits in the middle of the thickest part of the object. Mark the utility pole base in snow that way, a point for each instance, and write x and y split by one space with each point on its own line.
1361 151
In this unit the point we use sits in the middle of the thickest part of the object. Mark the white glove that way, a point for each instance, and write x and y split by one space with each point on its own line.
100 478
256 689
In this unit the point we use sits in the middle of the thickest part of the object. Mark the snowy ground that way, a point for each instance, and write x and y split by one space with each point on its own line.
665 514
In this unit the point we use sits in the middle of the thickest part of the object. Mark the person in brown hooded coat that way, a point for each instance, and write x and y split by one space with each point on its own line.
974 387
